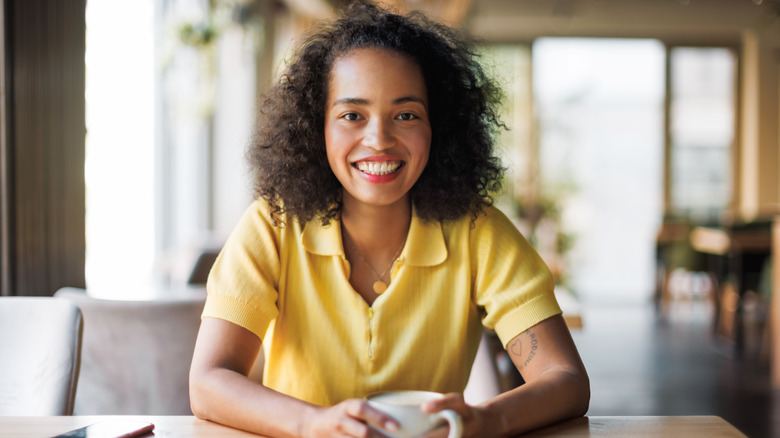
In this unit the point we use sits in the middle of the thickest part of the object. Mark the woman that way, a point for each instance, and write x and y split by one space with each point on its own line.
373 258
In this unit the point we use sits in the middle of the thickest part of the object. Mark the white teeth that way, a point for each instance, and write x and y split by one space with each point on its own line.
375 168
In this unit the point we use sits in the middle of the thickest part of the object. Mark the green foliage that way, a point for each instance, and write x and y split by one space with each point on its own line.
197 35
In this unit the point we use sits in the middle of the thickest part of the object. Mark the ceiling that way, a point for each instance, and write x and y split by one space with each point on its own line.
518 20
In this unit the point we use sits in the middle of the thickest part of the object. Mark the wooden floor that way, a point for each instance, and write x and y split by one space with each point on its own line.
643 364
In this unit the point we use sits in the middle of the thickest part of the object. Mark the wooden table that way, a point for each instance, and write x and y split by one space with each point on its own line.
641 427
188 426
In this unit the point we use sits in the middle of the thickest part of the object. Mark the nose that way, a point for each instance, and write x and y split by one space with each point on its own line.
378 134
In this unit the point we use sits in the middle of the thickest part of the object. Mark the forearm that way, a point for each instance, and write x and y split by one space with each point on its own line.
554 396
229 398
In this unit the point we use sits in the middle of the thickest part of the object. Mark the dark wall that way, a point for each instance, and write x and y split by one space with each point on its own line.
42 138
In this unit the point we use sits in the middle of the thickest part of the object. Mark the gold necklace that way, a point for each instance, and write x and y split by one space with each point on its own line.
379 285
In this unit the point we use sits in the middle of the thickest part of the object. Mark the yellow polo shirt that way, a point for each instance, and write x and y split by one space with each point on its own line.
290 286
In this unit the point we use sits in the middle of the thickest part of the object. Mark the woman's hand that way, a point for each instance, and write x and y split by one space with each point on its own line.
476 422
350 418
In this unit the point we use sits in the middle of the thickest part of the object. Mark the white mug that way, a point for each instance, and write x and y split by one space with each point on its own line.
405 408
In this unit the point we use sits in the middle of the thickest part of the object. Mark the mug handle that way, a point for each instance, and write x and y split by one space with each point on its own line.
455 422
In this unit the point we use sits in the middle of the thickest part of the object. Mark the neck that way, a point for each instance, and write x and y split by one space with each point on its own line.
376 230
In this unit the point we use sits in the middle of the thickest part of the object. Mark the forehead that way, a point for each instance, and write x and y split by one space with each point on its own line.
374 70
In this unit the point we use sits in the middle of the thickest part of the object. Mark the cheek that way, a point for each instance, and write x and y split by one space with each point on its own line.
333 158
423 148
331 143
335 150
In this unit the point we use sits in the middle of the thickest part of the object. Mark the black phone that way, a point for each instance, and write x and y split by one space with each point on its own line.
111 429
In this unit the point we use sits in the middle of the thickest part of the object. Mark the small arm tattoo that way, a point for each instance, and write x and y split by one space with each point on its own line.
516 347
534 346
524 355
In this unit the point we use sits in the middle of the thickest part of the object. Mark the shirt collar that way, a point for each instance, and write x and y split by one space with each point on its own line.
424 244
324 240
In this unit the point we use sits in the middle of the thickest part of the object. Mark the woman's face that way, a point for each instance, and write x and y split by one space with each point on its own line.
377 130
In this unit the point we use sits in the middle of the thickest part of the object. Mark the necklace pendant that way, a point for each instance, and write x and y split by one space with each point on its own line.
379 286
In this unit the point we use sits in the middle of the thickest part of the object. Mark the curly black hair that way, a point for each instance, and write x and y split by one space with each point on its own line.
288 153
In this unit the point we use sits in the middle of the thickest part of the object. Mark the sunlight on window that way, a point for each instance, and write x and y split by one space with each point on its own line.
120 145
600 109
702 131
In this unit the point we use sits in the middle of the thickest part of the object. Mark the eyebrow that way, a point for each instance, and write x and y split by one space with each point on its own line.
350 100
361 101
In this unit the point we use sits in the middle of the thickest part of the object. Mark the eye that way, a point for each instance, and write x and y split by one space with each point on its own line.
407 116
350 117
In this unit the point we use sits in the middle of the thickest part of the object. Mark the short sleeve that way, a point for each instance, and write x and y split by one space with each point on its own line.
511 282
242 285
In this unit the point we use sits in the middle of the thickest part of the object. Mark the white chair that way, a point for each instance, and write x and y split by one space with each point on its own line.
136 354
40 342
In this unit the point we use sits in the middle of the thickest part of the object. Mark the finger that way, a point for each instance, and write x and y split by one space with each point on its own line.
451 400
351 427
363 410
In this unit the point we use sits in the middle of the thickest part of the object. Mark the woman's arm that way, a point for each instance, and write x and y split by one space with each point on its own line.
556 388
221 392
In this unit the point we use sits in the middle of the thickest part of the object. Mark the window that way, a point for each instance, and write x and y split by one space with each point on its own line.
701 131
120 159
171 88
587 151
599 104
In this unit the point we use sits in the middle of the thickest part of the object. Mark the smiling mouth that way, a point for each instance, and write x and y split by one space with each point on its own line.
378 168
